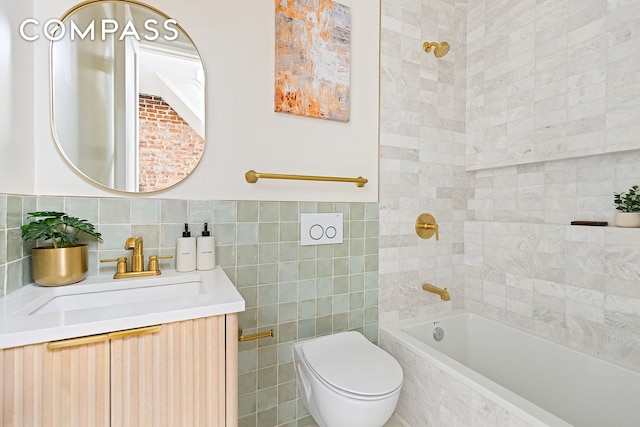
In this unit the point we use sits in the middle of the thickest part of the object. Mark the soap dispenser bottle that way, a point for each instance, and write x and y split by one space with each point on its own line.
206 258
186 251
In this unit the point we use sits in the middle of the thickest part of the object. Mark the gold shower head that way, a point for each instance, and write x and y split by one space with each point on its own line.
441 49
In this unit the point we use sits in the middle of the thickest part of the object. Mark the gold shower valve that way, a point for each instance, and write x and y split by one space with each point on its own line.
426 226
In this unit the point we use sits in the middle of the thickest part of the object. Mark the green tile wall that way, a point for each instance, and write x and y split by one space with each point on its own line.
298 291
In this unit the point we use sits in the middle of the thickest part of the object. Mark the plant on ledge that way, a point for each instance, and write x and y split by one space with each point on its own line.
60 228
627 207
66 261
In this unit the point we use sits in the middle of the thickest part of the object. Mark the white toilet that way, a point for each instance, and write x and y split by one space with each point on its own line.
345 380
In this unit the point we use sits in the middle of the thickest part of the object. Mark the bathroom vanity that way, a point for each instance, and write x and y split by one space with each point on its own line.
157 351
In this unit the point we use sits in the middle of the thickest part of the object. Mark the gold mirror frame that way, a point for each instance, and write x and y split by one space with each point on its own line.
112 161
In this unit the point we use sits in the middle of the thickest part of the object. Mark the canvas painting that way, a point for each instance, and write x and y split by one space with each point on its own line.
313 58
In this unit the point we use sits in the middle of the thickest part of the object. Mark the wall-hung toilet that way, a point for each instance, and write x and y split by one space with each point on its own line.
345 380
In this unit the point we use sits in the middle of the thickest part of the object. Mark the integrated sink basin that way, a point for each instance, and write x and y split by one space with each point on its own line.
94 299
97 305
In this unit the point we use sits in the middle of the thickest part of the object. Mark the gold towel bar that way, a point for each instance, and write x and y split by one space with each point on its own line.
243 338
252 177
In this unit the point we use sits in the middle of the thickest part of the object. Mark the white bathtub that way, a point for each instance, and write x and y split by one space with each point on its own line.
486 373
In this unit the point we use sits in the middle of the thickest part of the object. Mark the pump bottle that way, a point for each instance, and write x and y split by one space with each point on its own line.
205 245
186 251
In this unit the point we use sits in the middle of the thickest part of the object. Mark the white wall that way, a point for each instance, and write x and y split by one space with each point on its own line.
16 109
236 42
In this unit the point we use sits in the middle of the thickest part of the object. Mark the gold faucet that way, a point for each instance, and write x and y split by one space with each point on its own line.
137 261
444 294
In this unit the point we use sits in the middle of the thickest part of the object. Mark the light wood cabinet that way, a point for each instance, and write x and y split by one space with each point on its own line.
180 374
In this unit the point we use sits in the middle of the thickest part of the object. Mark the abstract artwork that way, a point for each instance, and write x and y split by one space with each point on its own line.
313 58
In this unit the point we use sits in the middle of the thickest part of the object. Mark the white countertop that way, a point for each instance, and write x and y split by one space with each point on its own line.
20 324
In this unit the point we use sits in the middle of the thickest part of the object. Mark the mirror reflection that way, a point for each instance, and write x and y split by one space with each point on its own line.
127 96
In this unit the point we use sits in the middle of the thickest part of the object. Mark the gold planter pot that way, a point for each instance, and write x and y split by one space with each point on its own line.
62 266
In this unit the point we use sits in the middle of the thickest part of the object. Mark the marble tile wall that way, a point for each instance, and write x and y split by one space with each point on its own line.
526 265
551 80
422 125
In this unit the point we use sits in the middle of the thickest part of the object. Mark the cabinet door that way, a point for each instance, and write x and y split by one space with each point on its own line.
64 387
174 377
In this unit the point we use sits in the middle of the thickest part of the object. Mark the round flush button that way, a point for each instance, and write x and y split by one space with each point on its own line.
330 232
316 231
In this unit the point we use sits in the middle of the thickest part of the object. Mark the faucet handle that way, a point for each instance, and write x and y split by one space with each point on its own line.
153 261
121 266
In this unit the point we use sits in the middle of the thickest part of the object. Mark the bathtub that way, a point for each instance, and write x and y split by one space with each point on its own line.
484 373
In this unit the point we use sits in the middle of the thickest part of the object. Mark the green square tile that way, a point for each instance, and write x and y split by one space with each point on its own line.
340 266
306 270
371 211
226 255
341 303
225 212
371 229
325 251
267 377
225 234
356 319
288 271
371 315
308 207
288 211
287 392
268 232
356 264
357 211
356 247
307 252
247 361
269 211
247 233
247 211
288 292
289 231
340 322
268 253
199 212
371 246
341 250
246 276
172 211
325 207
268 417
247 383
344 209
324 268
267 294
287 332
267 356
285 352
324 306
89 209
115 211
371 263
247 404
247 254
324 325
371 298
356 301
307 328
287 312
306 309
324 287
288 251
267 274
267 315
356 283
306 289
371 280
46 203
340 285
356 229
250 295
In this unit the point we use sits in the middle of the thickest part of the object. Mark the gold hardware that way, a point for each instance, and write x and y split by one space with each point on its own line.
253 176
92 339
426 226
441 49
134 332
259 335
137 261
121 266
76 342
444 294
153 262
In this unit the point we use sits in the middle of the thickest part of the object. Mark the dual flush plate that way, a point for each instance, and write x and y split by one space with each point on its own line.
321 229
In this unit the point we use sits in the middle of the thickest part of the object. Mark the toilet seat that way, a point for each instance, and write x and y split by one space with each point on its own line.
351 365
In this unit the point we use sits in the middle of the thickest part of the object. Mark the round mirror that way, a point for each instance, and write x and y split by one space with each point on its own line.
127 95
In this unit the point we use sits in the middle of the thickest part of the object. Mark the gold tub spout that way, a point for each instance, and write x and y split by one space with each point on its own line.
444 293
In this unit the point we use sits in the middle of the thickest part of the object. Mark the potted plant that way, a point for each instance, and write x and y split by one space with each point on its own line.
65 260
628 207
